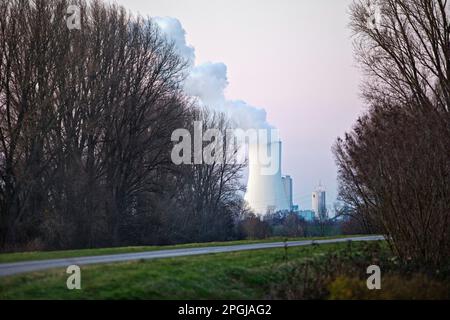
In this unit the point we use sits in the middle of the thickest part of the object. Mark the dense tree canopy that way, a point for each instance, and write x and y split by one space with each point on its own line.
86 117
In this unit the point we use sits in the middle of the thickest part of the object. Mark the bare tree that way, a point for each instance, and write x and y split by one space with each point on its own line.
394 167
212 193
403 45
86 118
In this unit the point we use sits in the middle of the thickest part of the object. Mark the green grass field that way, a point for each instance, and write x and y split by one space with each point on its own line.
237 275
42 255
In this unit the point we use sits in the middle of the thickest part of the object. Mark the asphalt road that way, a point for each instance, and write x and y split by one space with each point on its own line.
7 269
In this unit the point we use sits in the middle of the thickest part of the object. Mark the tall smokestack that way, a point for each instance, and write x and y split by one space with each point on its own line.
287 184
319 202
265 192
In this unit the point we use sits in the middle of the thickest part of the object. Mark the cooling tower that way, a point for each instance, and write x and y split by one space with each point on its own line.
265 189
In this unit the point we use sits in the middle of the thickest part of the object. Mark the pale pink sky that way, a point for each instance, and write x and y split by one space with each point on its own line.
292 57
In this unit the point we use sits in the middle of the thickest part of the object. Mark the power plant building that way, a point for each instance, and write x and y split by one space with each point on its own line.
287 184
319 203
267 190
307 215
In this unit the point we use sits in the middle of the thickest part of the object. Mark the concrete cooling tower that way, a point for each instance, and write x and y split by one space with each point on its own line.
265 188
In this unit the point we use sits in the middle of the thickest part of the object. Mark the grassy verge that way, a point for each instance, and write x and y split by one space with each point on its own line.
236 275
42 255
321 271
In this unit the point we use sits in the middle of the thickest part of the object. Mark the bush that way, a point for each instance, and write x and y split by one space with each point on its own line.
394 287
342 275
252 227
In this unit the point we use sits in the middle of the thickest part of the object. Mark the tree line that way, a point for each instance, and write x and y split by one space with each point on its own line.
86 118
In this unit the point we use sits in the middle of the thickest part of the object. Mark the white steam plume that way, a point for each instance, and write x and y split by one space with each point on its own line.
207 81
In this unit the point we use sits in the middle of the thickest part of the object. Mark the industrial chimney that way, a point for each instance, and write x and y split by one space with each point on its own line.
319 203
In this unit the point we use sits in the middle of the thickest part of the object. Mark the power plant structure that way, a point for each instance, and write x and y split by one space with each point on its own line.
287 184
267 190
319 202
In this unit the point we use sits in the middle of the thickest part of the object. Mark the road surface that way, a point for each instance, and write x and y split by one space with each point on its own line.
7 269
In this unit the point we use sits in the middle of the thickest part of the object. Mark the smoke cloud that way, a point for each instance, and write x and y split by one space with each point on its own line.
207 82
173 30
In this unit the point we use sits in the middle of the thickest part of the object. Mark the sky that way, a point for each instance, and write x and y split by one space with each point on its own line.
284 63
